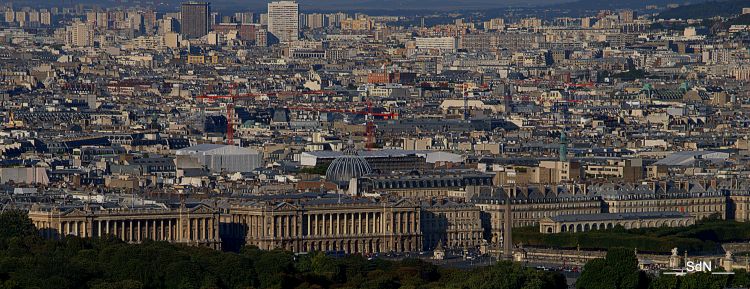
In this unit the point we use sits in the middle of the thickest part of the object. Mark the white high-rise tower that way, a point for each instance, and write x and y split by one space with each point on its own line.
283 20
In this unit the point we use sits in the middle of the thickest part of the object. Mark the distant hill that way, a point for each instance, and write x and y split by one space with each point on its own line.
706 10
619 4
739 20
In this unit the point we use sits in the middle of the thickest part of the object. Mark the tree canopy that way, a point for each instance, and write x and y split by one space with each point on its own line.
619 270
28 261
704 237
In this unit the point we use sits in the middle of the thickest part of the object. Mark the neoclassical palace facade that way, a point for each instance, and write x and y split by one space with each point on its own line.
195 224
304 222
351 226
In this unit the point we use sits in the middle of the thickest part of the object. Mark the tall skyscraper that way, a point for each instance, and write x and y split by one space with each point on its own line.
195 19
283 20
45 17
80 34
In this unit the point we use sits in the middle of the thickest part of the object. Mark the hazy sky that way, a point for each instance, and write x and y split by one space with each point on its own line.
308 4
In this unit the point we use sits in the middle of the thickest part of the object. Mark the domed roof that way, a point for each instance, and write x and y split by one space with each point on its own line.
347 166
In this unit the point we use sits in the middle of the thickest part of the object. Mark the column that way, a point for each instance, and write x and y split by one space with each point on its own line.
194 229
309 218
367 223
210 229
355 221
330 225
351 221
200 228
382 226
273 226
322 224
415 222
203 223
410 216
316 227
409 220
338 224
205 228
209 226
346 223
402 219
169 233
394 222
294 226
360 229
197 229
262 226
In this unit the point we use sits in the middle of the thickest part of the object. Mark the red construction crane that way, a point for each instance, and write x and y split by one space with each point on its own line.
229 108
234 96
368 113
580 85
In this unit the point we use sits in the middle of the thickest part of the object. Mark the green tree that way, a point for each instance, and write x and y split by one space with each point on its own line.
15 224
618 270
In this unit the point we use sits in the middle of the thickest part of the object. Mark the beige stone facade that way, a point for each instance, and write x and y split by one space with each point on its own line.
584 223
352 227
197 225
452 224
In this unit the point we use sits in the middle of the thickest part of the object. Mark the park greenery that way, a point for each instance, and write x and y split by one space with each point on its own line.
705 10
619 270
705 237
316 170
631 75
28 261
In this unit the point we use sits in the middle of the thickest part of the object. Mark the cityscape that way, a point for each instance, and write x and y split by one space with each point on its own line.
393 144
